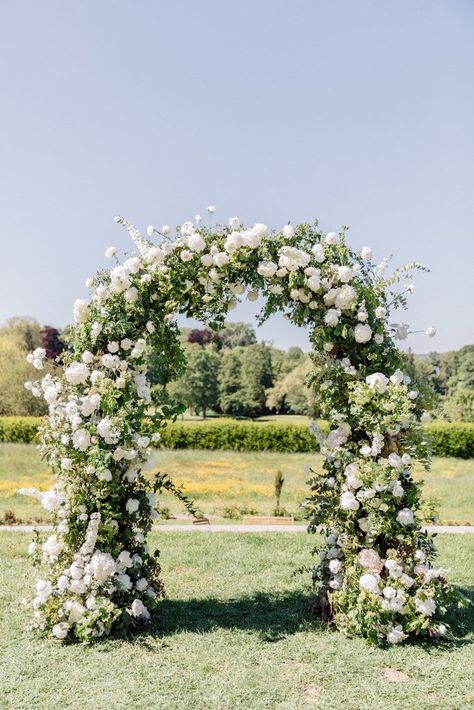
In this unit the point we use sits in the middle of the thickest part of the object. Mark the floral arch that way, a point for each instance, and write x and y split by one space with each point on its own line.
374 575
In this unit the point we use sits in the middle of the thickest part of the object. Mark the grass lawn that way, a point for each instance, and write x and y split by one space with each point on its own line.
220 479
234 633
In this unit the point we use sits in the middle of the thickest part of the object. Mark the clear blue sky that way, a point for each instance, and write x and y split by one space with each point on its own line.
355 112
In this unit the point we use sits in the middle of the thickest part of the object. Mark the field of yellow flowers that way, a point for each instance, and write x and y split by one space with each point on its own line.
227 484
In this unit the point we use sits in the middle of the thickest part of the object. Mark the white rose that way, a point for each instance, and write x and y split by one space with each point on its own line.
405 517
331 238
81 310
252 295
110 252
211 209
77 373
319 254
60 630
377 382
81 439
234 222
362 333
267 269
335 566
132 505
220 259
332 317
186 255
348 501
426 606
346 297
196 242
380 312
370 583
395 634
289 231
366 253
139 610
165 230
344 274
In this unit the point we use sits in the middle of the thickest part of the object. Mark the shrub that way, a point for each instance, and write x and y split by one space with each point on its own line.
19 429
452 439
449 438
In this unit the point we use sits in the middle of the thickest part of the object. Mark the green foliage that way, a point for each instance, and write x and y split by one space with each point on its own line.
19 429
198 387
14 372
235 335
452 439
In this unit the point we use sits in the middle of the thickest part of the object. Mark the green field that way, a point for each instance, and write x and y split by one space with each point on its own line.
234 633
239 481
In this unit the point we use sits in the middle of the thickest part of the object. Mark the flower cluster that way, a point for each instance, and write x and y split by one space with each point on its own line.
97 570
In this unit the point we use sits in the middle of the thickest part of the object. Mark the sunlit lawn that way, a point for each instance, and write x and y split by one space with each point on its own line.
224 479
234 633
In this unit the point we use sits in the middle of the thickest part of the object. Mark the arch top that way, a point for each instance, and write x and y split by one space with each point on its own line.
374 561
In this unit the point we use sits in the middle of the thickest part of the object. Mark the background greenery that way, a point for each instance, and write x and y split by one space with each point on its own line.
229 373
236 648
227 485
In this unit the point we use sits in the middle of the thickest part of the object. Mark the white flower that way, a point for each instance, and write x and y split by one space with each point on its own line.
124 560
165 230
234 222
81 439
370 583
377 382
102 565
52 546
288 231
348 501
362 333
331 238
335 566
211 209
196 242
141 584
395 460
139 347
431 332
267 269
104 475
132 505
351 472
110 252
425 417
292 259
186 255
405 517
77 373
81 310
319 253
425 606
401 331
87 357
150 230
380 312
139 610
60 630
123 581
332 317
252 295
366 253
363 523
344 274
395 634
131 294
220 259
346 298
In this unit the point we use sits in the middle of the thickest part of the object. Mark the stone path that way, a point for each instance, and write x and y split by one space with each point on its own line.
450 529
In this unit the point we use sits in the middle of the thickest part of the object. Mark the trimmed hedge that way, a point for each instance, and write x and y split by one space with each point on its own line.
19 429
449 438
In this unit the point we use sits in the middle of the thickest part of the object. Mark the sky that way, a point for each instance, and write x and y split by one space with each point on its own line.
353 112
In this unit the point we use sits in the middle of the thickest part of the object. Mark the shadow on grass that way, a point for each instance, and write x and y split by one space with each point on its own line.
276 616
273 616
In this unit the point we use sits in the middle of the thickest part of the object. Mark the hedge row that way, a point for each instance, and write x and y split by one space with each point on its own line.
449 438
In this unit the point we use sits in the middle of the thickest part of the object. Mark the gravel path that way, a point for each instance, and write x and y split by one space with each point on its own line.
450 529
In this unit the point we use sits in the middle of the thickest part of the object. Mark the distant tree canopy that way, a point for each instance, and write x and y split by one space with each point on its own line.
51 342
236 335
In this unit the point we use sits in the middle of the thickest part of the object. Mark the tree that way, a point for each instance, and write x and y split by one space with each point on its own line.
15 399
291 393
51 342
25 329
230 386
198 388
235 335
202 337
459 406
256 378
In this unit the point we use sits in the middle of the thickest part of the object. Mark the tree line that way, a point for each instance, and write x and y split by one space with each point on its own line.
229 373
